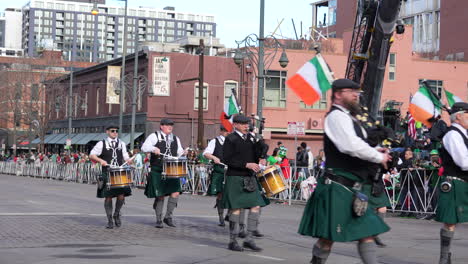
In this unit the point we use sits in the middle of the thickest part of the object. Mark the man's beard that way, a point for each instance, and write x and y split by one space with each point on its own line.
353 107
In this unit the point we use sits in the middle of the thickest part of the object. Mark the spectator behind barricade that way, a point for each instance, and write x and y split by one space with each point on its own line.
274 158
319 159
279 144
407 161
310 156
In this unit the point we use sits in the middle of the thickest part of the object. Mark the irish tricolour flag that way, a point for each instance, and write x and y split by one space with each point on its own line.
230 108
451 98
313 79
424 105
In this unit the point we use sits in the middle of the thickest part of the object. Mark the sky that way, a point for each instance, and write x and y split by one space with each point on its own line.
235 19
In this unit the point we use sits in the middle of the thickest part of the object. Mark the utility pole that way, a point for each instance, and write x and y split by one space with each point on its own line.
122 71
200 80
201 124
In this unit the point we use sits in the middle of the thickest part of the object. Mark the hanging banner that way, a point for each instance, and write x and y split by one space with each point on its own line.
161 76
113 83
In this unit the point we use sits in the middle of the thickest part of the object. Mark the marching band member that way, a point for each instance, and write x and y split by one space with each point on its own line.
159 143
214 152
337 210
453 197
241 188
111 152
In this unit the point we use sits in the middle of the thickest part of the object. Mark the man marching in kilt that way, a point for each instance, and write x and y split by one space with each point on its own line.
214 152
159 143
453 198
111 152
337 210
241 190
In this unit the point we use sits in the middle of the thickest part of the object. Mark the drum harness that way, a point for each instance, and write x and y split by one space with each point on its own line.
114 162
167 153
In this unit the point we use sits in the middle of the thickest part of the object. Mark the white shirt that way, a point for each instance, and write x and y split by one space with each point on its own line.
455 146
152 140
97 150
212 144
340 129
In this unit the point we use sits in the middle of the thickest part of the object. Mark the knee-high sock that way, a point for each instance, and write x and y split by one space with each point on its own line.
233 227
367 252
252 224
158 208
108 207
171 205
219 206
319 255
242 216
381 215
446 237
118 206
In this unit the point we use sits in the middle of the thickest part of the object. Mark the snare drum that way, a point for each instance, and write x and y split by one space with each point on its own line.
272 180
175 167
119 177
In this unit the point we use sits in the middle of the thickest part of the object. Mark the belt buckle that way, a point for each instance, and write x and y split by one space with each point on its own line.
328 181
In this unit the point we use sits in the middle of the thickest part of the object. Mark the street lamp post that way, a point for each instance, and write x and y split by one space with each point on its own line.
259 57
134 92
122 71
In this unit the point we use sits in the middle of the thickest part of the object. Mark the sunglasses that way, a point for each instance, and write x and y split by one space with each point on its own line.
114 131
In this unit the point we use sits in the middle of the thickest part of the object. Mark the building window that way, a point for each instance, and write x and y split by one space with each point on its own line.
435 85
205 96
228 86
275 89
392 67
320 104
85 106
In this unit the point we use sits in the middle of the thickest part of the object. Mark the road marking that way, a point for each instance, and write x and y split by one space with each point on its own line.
38 214
266 257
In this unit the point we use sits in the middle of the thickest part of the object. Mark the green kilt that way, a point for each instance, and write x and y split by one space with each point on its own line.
104 192
157 186
375 202
235 197
453 205
329 214
216 180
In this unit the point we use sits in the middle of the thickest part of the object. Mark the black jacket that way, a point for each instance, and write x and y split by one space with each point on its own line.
237 152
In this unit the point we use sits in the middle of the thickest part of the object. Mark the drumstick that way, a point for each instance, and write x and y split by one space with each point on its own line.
130 159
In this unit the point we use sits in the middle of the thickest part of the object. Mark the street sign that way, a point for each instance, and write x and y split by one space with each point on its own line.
68 142
296 128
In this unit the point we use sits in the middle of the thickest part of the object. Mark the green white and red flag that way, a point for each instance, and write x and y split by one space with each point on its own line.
451 98
312 80
424 105
230 108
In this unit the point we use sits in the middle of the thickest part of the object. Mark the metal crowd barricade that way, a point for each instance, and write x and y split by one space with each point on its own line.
414 191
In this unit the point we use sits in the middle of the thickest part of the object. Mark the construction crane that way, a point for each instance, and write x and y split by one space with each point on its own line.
375 23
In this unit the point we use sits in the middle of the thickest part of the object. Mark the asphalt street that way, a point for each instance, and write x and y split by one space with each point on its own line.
46 222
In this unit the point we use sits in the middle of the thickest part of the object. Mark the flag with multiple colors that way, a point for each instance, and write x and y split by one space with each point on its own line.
230 108
424 105
451 98
411 127
312 80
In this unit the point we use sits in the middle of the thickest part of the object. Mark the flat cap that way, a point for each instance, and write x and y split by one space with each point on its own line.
241 119
459 107
166 122
344 84
112 127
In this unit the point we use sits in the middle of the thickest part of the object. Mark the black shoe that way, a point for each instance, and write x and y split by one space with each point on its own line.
379 242
256 233
317 260
446 259
159 224
110 224
234 246
221 222
168 221
431 216
117 221
251 245
242 234
421 216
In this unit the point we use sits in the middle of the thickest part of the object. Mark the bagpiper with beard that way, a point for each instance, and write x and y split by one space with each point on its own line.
453 198
111 152
158 143
337 210
214 152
